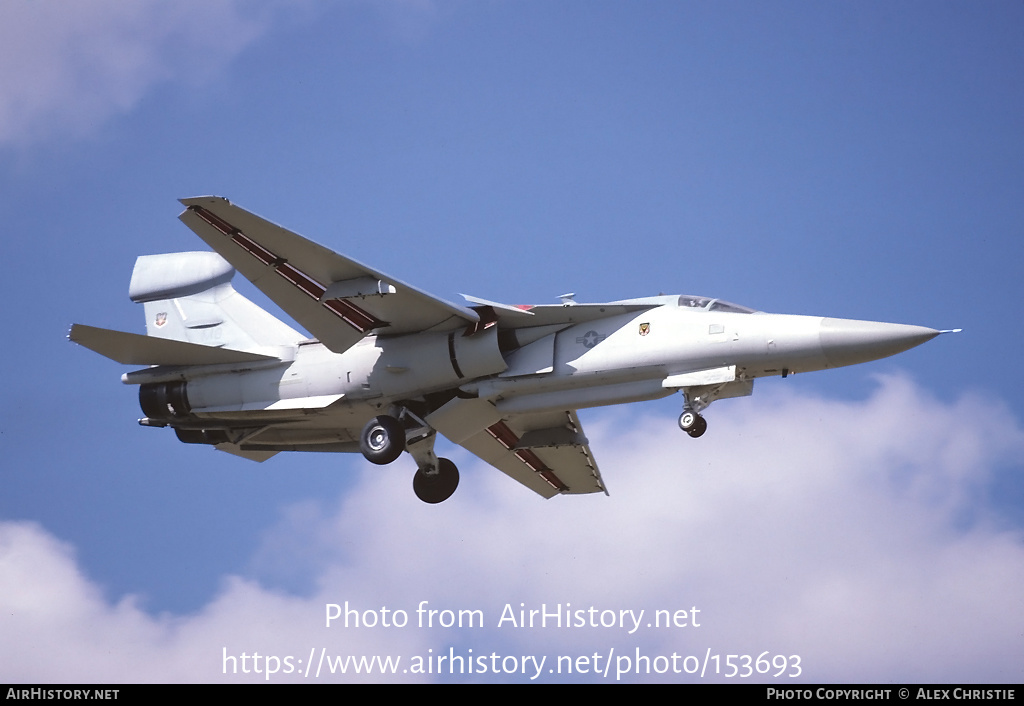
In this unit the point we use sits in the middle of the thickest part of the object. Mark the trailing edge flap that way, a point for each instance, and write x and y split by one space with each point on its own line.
136 349
547 452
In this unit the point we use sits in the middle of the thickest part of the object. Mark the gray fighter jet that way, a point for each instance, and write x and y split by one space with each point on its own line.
390 366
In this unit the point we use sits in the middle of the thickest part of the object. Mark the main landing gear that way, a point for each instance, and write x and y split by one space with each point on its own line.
437 486
383 440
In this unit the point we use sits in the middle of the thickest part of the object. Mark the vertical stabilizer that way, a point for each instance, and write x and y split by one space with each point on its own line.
188 296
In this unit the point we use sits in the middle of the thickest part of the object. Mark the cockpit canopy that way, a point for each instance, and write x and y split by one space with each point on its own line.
687 301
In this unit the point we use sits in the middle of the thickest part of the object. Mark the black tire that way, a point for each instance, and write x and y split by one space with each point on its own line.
699 427
439 487
688 420
382 440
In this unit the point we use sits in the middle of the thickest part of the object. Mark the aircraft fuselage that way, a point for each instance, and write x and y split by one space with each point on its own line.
626 357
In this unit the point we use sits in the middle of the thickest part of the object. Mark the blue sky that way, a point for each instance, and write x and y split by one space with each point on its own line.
859 160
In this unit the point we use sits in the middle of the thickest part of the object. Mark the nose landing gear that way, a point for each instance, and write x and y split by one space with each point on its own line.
690 420
692 423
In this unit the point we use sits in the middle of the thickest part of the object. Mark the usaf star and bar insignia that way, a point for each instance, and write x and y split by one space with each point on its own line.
592 338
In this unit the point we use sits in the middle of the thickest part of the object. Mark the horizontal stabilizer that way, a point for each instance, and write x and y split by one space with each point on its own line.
136 349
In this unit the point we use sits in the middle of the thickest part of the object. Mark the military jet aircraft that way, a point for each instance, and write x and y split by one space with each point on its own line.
390 366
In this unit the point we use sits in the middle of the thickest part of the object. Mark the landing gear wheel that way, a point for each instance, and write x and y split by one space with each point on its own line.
688 420
382 440
699 428
436 487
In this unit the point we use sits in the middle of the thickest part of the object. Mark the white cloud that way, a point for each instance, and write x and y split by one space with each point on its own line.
855 535
65 67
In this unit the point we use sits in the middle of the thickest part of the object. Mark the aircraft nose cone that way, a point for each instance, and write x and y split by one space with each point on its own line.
847 341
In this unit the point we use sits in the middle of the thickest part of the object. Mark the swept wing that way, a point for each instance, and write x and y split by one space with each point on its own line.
337 299
545 451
